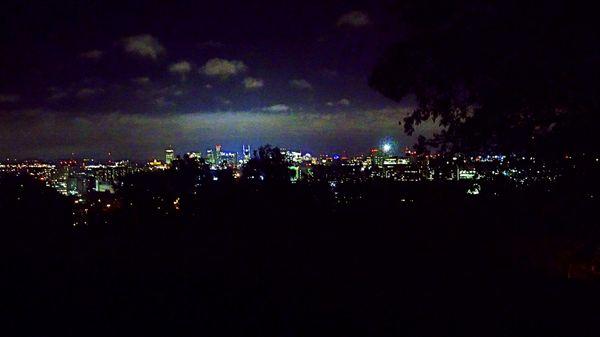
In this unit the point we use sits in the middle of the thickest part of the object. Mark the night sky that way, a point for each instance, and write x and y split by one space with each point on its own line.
133 77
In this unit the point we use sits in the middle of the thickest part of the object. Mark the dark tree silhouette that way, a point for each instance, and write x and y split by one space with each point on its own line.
267 165
191 171
501 75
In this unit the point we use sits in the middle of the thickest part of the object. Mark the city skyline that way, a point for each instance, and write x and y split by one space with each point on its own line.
299 168
141 147
386 144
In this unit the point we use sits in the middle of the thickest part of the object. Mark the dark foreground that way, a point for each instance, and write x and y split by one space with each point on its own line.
293 261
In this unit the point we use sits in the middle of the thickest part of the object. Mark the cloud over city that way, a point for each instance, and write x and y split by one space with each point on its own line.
145 46
181 68
251 83
218 67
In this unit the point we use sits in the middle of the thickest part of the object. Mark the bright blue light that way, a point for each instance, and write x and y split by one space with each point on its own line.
388 145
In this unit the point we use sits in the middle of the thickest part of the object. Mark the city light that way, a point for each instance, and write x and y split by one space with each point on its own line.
387 147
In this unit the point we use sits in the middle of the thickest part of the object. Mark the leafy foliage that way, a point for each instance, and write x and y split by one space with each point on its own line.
499 75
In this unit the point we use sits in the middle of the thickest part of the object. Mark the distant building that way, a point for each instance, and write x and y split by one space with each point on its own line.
77 184
467 174
229 159
169 156
104 186
377 157
217 154
210 157
393 161
156 165
293 156
246 152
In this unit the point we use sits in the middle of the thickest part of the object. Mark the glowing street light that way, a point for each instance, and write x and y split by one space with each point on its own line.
387 147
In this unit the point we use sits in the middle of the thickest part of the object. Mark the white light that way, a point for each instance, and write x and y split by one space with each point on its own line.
387 147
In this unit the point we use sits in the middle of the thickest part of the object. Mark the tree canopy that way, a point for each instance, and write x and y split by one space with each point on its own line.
269 165
497 75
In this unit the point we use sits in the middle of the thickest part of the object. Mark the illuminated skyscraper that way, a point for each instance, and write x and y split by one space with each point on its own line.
246 152
169 156
377 157
210 156
218 154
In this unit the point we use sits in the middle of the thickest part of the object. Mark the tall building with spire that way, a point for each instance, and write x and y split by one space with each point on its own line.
246 152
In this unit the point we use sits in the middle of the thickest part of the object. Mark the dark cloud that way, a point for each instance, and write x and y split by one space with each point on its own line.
210 44
94 54
142 80
301 84
330 73
354 19
251 83
341 102
88 92
55 94
9 98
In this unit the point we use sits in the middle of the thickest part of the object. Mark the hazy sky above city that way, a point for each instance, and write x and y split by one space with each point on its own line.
133 77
